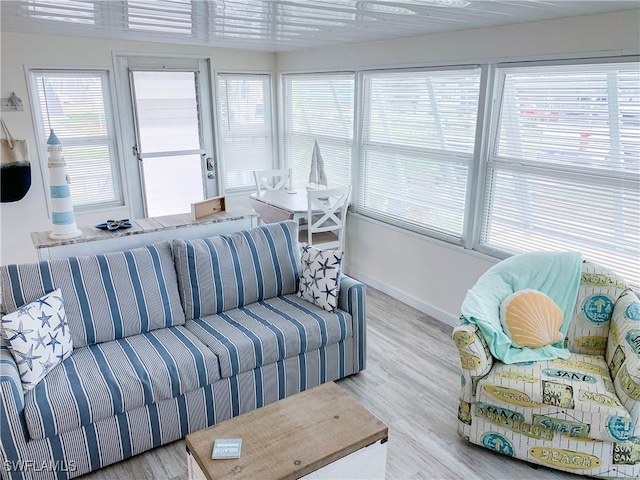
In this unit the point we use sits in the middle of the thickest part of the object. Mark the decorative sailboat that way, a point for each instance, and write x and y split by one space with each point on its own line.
317 176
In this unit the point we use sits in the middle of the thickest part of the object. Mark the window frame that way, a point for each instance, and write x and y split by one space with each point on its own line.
111 104
218 125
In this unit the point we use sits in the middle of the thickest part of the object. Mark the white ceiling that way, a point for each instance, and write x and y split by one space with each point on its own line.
282 25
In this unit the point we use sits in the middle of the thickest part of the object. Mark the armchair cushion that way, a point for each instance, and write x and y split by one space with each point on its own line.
556 274
531 319
599 291
575 396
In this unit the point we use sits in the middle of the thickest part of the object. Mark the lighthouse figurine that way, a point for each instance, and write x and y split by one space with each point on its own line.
62 216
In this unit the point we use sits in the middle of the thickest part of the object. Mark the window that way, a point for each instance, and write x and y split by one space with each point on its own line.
76 104
555 165
245 122
418 133
563 169
319 107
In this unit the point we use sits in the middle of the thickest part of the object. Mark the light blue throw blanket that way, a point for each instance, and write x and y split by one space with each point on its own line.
557 274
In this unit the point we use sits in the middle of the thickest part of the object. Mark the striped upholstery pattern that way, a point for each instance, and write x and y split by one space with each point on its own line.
352 300
122 436
100 381
230 271
267 331
99 398
9 373
106 297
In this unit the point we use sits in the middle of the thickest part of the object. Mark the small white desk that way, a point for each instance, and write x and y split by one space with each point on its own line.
279 205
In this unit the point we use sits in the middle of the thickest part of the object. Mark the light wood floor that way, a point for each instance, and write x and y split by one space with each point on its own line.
411 383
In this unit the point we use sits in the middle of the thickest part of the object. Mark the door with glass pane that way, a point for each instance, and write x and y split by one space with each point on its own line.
176 159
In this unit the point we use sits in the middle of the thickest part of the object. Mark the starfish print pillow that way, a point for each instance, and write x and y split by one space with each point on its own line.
38 337
320 278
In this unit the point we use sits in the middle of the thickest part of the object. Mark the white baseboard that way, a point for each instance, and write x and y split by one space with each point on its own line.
398 294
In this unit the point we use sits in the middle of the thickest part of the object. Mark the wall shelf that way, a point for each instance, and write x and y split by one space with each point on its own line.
143 231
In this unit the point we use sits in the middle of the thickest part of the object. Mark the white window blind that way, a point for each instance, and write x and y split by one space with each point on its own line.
418 133
77 106
166 16
319 107
564 171
245 124
72 11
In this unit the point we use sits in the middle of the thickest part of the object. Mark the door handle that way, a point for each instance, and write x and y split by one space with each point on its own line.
211 164
136 153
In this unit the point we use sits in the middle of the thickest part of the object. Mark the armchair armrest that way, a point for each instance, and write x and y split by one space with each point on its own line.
13 433
352 299
475 358
623 354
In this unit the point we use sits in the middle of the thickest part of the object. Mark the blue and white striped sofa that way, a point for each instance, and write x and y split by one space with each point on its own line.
169 339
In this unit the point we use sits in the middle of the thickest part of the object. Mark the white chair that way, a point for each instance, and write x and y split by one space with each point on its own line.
272 179
326 217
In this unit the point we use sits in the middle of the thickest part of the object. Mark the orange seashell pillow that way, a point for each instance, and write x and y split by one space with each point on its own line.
531 319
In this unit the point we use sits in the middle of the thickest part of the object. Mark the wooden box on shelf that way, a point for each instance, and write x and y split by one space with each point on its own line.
207 207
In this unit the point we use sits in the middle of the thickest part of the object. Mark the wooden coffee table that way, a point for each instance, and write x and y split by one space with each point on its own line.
319 433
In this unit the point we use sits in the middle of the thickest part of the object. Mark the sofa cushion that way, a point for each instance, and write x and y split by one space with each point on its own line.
320 277
38 337
107 296
100 381
229 271
574 396
267 331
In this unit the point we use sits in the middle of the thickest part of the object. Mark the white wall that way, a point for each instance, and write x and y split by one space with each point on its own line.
20 218
430 275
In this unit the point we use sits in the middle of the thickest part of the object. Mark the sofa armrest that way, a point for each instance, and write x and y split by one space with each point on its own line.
352 299
10 375
13 433
475 358
623 354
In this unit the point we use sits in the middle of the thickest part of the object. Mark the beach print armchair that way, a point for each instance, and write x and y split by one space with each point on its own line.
573 405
